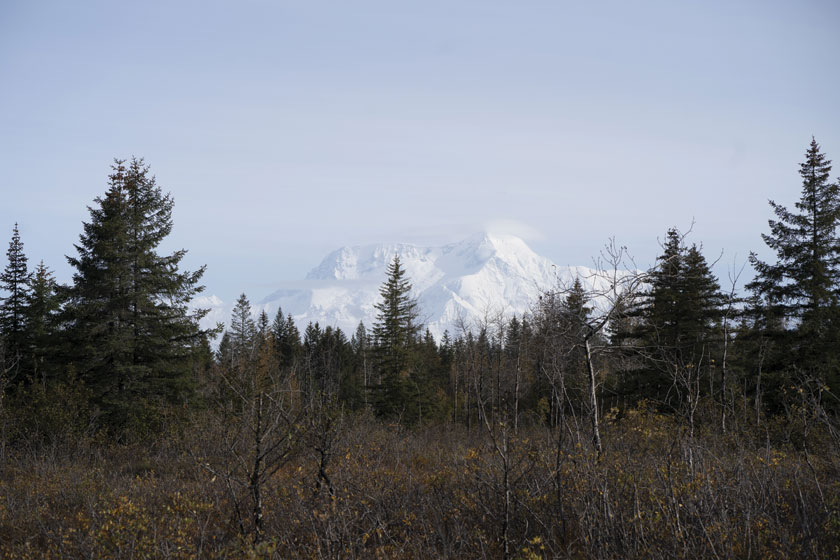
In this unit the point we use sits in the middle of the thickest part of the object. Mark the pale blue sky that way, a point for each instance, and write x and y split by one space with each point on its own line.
287 129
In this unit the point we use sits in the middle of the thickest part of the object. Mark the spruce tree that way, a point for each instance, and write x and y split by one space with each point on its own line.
15 281
574 306
42 308
262 324
133 335
243 333
648 326
286 339
396 327
278 332
224 354
575 315
702 307
395 336
674 324
665 307
362 351
803 283
360 340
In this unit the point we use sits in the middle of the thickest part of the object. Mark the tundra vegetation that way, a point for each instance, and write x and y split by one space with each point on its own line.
657 415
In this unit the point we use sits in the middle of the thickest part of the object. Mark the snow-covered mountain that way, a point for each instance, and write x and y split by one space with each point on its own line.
457 285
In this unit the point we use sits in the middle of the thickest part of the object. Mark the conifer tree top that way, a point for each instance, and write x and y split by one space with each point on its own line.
396 328
806 274
14 280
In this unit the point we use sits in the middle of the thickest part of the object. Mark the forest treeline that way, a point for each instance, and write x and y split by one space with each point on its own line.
654 413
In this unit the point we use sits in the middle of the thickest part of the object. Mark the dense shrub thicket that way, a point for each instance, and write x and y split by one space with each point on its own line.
438 493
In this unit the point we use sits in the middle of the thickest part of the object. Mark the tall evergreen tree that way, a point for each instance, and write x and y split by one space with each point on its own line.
243 333
133 334
42 307
703 303
224 354
575 315
286 339
262 324
665 308
803 284
395 336
396 327
15 281
360 342
575 308
264 334
674 324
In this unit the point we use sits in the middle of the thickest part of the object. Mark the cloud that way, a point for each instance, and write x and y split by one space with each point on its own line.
514 227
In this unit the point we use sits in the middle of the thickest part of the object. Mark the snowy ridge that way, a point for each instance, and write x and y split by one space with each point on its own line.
457 285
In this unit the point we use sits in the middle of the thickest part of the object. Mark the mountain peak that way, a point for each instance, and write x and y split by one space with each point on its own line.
503 245
361 262
481 275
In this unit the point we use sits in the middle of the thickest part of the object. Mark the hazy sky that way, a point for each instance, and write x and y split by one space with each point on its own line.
287 129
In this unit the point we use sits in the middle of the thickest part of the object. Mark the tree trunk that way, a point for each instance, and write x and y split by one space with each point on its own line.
593 398
256 494
723 402
516 399
758 386
506 522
